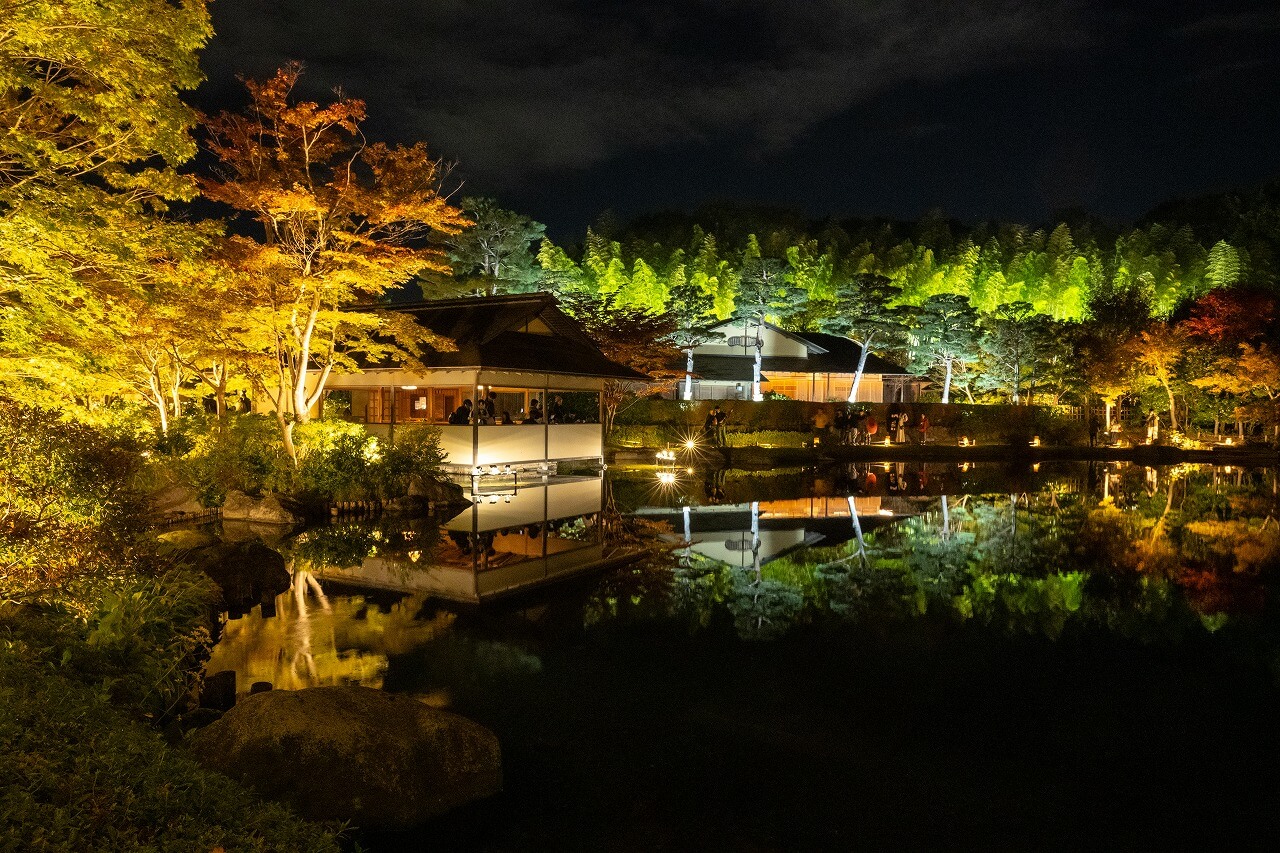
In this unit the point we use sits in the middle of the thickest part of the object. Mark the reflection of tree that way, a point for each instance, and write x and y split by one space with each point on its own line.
315 639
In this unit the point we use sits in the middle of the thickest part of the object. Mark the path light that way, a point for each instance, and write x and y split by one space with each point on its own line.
1035 441
1035 466
964 441
667 478
887 442
415 555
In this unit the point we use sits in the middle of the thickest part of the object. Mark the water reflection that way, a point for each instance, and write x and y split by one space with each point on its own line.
1150 553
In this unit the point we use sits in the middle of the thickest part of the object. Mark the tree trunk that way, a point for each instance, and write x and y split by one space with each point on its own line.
857 374
755 367
946 384
1173 407
688 374
286 435
1106 422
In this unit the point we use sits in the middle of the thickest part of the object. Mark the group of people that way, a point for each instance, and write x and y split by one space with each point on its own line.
853 427
486 414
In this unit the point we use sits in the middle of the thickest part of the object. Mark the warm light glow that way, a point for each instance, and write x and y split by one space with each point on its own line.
887 442
415 555
1035 466
964 441
667 455
1035 441
408 387
667 478
885 512
690 444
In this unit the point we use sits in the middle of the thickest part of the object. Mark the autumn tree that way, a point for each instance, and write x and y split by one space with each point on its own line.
92 130
1157 353
339 222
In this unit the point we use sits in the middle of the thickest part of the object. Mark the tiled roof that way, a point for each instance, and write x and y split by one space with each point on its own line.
487 331
840 356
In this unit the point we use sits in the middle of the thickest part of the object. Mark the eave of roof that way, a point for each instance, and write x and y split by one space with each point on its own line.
487 333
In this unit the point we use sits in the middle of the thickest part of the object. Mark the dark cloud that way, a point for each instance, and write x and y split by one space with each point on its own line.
521 88
987 108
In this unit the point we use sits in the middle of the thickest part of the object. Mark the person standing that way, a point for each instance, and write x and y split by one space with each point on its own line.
555 414
721 433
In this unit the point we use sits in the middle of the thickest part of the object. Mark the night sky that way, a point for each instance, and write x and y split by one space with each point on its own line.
1006 110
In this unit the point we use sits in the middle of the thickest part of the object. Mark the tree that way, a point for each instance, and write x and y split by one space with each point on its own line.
1158 352
762 288
629 336
341 222
1228 317
1009 343
1222 267
862 311
692 309
494 254
92 130
1254 374
946 337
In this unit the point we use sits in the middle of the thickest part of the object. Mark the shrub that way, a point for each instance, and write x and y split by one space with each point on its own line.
78 775
69 505
243 453
340 461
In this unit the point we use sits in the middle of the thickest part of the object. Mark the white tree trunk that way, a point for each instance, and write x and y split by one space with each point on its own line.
946 385
688 374
857 374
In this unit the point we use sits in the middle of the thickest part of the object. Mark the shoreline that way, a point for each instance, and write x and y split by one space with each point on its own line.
765 457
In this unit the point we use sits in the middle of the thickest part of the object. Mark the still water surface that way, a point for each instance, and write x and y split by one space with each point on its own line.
880 656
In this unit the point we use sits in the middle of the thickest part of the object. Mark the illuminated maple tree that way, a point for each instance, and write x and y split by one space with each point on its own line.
339 221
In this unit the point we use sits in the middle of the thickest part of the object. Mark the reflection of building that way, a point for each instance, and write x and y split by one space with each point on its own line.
510 538
739 533
524 351
800 365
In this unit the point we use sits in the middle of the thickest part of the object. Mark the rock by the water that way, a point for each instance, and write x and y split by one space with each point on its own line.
267 509
219 691
353 753
176 501
437 491
412 505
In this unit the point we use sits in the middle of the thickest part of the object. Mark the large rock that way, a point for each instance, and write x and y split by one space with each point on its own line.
353 753
267 509
176 501
437 491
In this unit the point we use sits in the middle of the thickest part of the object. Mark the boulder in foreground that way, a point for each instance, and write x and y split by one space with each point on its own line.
378 759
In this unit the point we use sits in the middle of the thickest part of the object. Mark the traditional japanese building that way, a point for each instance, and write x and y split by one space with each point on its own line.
800 365
545 374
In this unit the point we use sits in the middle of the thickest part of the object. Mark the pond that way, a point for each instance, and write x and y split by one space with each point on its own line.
882 655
